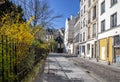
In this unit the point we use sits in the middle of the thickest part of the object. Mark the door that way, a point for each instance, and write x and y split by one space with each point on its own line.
117 55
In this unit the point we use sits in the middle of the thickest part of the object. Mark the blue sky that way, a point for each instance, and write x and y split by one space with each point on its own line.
64 8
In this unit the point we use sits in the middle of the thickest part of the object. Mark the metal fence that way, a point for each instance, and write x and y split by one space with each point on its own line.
13 64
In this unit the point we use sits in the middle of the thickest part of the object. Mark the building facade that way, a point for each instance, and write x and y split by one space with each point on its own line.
97 30
92 24
76 35
69 34
109 30
83 27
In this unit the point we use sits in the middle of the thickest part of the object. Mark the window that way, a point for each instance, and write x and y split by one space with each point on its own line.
113 2
89 16
83 49
117 40
113 20
103 7
88 32
81 2
103 26
84 22
81 24
94 12
89 3
84 36
88 48
81 13
77 38
94 30
84 9
80 37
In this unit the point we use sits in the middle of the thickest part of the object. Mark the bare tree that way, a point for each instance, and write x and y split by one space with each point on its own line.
42 13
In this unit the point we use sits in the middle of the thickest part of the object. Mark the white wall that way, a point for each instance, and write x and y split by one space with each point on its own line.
106 15
69 34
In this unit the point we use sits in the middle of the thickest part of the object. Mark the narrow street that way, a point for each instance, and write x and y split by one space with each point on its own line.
60 69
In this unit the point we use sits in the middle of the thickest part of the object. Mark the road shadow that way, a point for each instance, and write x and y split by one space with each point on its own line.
61 55
52 77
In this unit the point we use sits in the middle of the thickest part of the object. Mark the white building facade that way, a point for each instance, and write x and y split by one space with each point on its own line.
77 35
83 28
69 35
92 24
109 30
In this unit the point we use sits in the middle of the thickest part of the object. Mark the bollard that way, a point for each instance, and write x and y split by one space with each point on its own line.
97 59
108 62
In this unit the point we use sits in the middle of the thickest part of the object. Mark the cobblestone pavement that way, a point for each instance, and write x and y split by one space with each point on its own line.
60 69
104 72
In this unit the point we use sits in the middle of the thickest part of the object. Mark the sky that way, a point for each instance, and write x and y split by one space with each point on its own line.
66 8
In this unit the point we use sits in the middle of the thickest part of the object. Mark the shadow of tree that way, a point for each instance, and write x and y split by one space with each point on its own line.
52 77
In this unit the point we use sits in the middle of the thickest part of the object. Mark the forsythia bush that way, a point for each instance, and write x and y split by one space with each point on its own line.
21 34
19 31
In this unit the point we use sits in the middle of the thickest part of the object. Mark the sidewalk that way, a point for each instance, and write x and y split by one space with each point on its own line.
112 65
60 69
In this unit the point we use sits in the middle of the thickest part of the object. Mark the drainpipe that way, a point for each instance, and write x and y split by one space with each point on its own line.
108 51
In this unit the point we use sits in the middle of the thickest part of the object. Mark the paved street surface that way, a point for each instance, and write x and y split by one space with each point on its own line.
60 69
107 73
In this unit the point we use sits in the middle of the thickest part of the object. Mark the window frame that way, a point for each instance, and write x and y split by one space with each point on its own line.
103 7
113 20
103 27
113 2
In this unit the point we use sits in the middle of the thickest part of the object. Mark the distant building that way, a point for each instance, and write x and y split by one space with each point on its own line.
58 36
76 35
69 34
49 34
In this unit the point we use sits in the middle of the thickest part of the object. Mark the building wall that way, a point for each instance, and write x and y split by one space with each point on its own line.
106 38
83 29
69 34
110 49
88 24
110 32
108 12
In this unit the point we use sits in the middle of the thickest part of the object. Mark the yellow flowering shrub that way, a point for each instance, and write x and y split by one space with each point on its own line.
20 33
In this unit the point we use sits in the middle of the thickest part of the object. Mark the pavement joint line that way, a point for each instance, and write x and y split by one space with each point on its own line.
62 69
